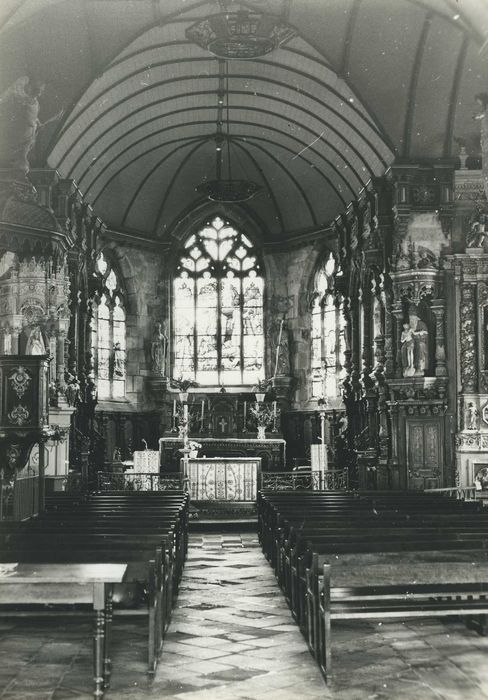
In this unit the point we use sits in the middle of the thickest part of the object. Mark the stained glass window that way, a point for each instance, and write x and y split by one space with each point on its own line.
218 308
108 334
328 343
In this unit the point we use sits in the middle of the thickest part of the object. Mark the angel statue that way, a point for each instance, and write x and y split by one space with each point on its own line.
19 123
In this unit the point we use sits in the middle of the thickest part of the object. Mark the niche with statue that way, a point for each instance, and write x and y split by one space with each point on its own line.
417 340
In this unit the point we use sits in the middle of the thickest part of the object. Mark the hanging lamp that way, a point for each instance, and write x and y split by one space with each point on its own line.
240 35
226 189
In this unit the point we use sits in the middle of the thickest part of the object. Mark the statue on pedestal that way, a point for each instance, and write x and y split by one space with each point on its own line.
421 351
35 343
407 340
159 350
471 417
282 349
72 389
119 361
478 229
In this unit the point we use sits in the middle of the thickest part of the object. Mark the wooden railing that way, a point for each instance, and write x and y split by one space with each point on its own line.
328 480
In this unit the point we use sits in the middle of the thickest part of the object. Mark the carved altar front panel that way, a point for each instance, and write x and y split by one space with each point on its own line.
221 479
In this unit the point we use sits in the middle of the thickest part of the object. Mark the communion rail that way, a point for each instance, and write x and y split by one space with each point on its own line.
328 480
462 493
139 481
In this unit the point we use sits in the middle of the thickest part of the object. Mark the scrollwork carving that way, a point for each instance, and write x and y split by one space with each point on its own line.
468 339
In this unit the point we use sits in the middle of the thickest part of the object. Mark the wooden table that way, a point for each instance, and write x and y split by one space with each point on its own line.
68 584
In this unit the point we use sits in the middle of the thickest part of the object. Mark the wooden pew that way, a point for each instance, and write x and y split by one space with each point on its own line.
296 529
434 586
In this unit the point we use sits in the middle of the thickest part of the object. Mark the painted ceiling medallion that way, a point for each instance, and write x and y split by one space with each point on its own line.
20 380
19 415
240 35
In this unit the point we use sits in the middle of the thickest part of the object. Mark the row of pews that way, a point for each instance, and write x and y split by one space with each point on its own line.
369 555
146 531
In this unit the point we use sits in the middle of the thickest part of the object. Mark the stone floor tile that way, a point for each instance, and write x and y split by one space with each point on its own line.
206 667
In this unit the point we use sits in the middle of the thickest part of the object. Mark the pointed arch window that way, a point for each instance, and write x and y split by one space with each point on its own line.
218 308
108 332
328 334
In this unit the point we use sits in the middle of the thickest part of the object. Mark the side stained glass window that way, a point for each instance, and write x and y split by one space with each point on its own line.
108 333
218 308
328 342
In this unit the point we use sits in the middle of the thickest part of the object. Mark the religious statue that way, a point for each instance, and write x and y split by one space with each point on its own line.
91 394
471 417
35 343
19 122
426 259
407 340
72 389
421 349
282 359
159 349
478 229
7 341
119 361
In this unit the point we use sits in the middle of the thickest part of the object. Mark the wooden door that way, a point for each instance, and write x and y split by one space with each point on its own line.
424 454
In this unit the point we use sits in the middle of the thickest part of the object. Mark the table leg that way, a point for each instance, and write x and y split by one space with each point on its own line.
99 602
98 652
107 661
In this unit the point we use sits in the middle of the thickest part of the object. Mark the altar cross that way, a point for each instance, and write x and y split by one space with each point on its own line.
222 423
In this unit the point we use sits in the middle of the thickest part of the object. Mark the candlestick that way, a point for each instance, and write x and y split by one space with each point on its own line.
203 409
174 408
274 409
245 413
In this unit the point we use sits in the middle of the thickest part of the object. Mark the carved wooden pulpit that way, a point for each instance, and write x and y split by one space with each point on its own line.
24 417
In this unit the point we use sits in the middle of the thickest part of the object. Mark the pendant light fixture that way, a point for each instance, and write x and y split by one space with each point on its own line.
240 35
226 189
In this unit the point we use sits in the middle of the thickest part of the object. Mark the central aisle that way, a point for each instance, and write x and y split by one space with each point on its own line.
232 635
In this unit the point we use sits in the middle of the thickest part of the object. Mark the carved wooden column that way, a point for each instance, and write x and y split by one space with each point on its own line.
438 309
397 313
467 316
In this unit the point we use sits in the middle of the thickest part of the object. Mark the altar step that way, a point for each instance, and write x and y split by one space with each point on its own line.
215 516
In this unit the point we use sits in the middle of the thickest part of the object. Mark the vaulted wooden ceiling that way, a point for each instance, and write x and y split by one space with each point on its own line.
362 82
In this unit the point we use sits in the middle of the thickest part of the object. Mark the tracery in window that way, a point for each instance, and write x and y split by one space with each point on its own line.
218 308
108 333
328 343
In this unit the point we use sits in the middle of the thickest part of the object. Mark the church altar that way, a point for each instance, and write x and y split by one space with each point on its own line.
272 452
222 479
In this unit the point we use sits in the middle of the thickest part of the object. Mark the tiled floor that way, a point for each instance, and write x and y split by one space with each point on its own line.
232 638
